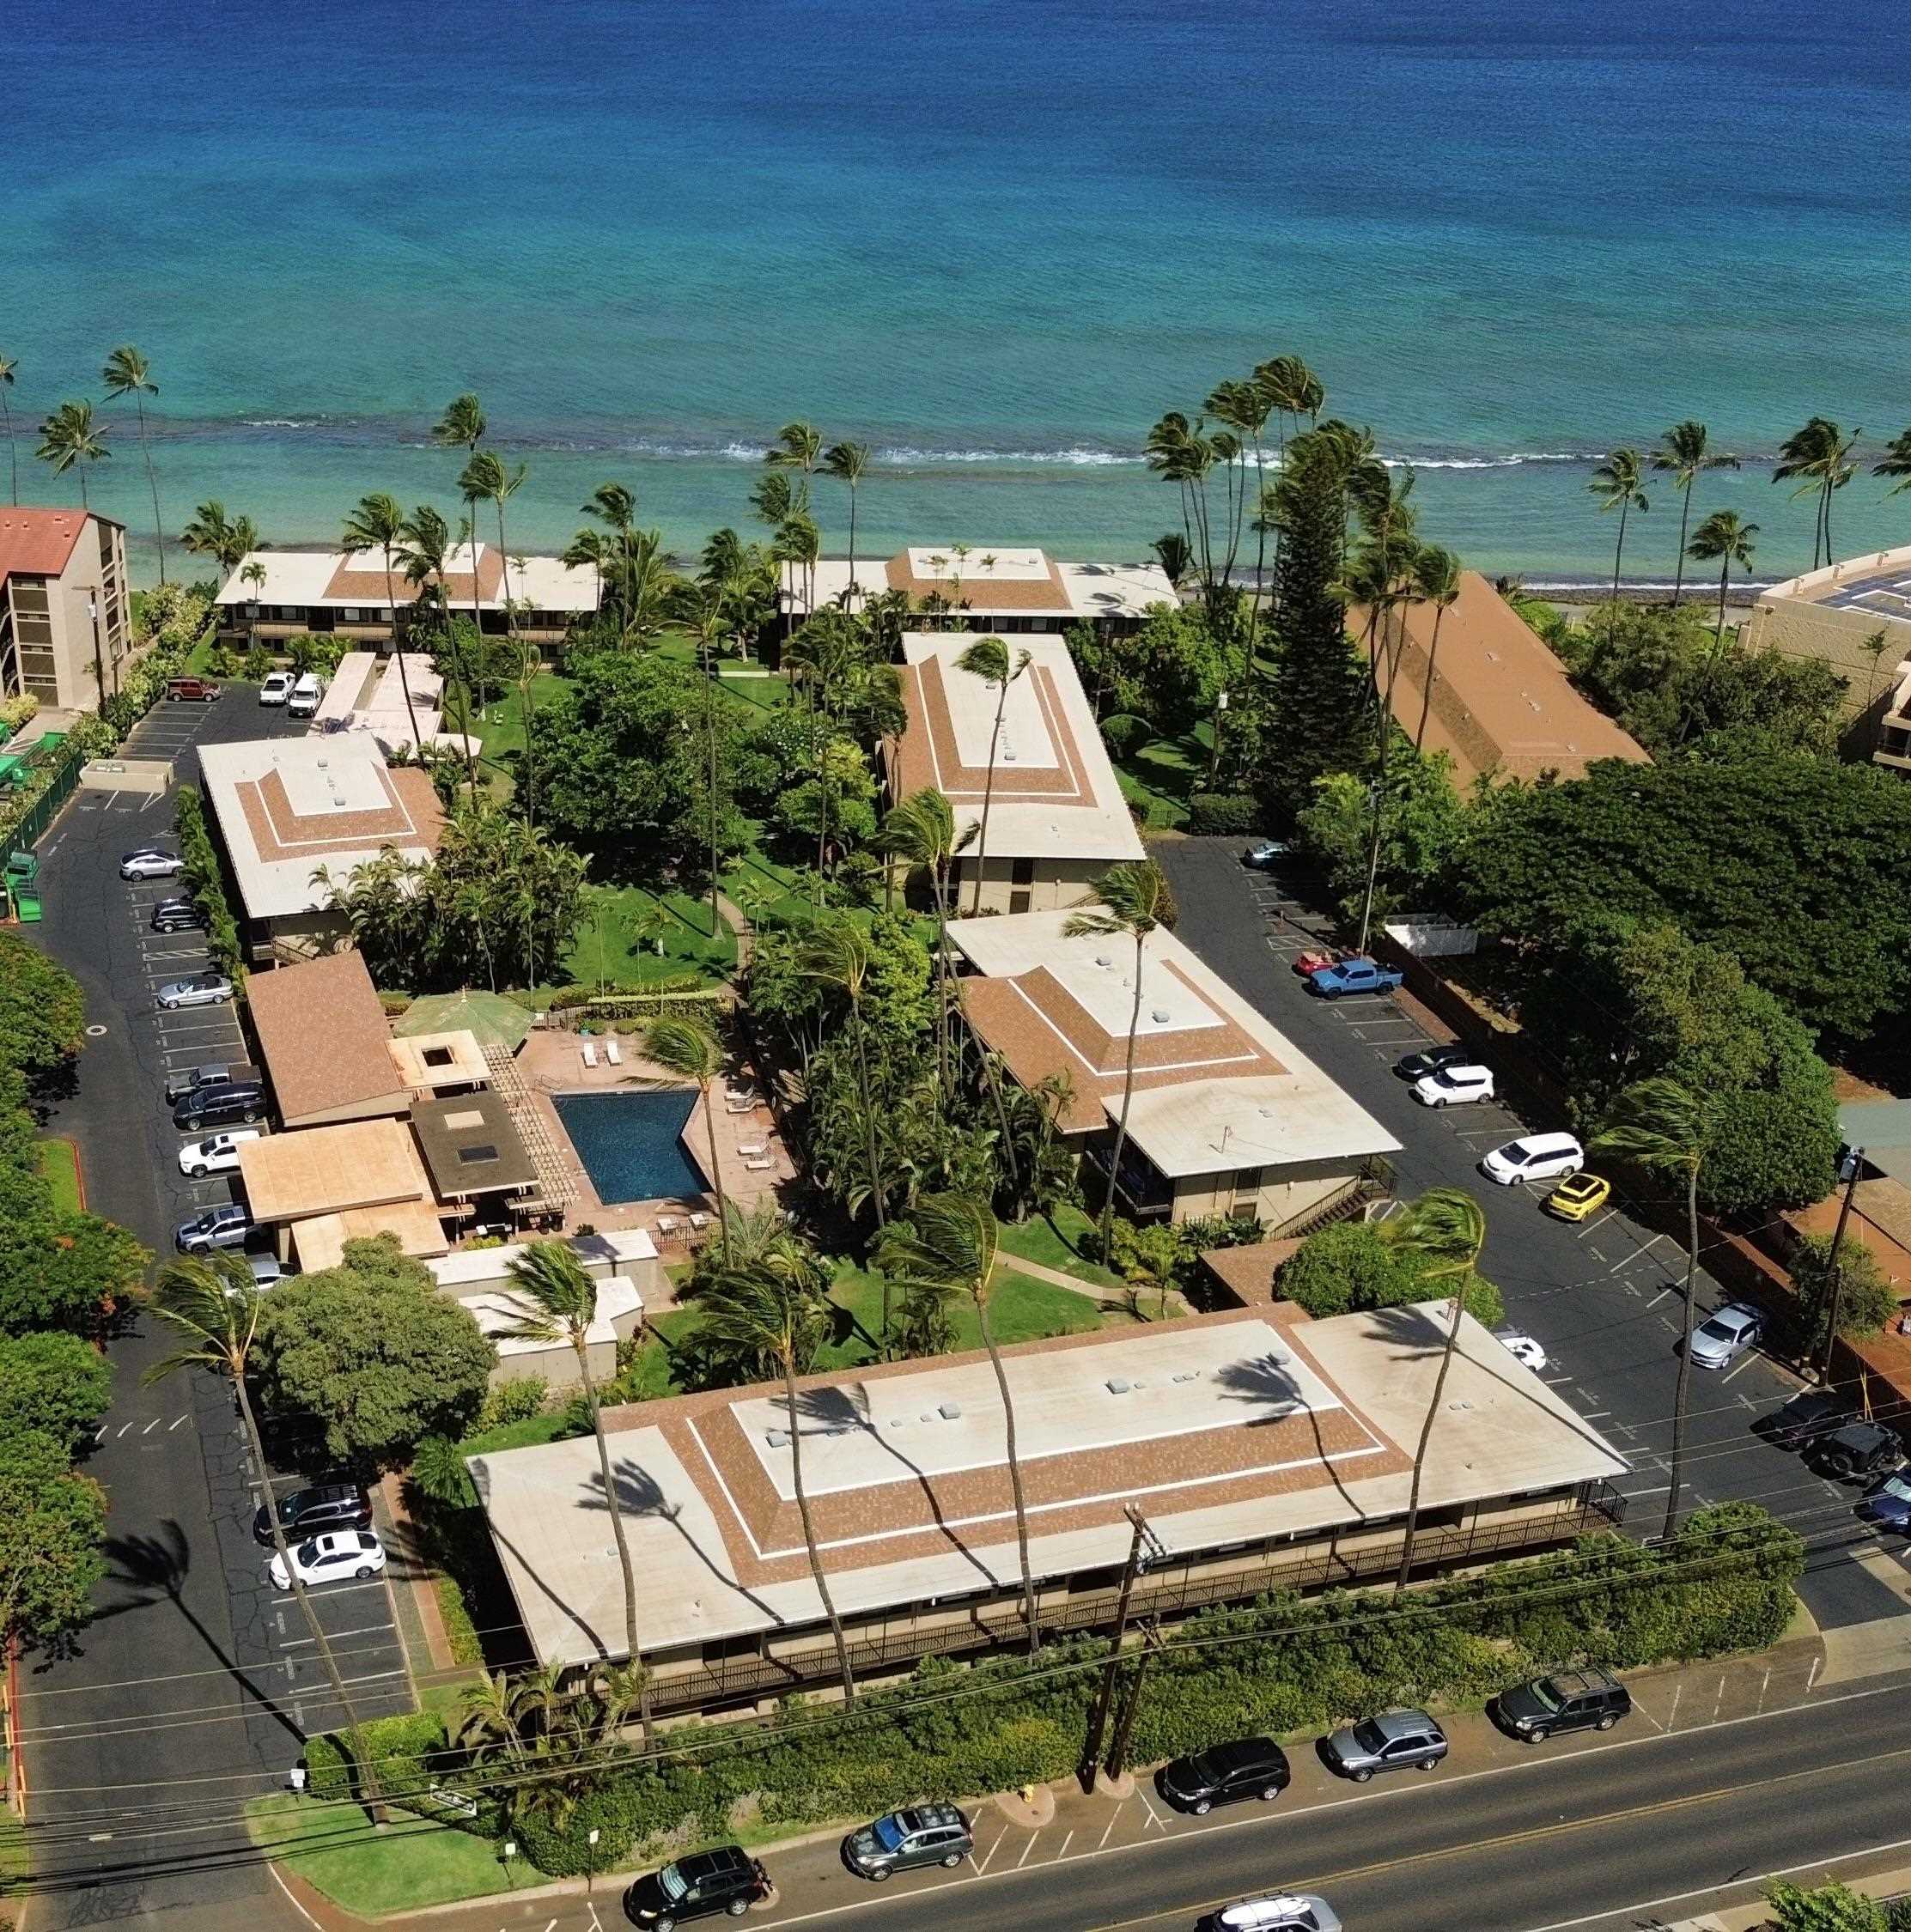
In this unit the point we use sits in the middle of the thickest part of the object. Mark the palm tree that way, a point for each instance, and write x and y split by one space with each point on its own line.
798 445
1619 485
1446 1228
1436 581
424 545
560 1304
1294 391
1134 900
67 437
588 547
378 524
1663 1126
214 1305
128 373
1171 553
209 532
1895 462
254 574
988 659
1723 539
846 462
774 1309
950 1240
1244 407
462 425
921 830
8 365
1685 452
685 1045
1818 458
838 954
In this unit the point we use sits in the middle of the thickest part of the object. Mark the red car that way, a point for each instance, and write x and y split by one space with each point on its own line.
1315 957
203 688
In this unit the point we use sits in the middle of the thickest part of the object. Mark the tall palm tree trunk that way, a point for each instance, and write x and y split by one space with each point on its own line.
817 1576
941 877
398 645
1681 1387
988 796
1014 1468
717 1172
1426 690
12 449
616 1509
710 745
1427 1437
1719 629
152 483
1679 569
367 1774
870 1126
1619 550
853 540
1127 1096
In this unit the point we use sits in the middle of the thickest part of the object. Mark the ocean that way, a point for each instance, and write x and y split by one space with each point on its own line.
994 241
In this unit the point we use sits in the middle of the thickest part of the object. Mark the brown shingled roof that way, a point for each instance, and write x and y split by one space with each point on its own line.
977 591
324 1037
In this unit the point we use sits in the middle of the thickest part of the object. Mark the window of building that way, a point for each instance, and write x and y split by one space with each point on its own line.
1021 871
1020 902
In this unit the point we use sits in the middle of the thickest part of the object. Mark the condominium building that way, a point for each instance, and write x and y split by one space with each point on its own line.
65 623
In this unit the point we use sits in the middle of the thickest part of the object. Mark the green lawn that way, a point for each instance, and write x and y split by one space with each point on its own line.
13 1858
60 1165
411 1863
499 726
1056 1242
1158 775
617 942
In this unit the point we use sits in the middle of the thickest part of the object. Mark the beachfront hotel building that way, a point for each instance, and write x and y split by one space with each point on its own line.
1500 704
1266 1452
1021 591
285 807
1229 1117
1058 820
65 621
336 593
1856 617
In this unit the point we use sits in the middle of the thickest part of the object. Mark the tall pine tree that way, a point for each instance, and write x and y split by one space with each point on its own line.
1317 720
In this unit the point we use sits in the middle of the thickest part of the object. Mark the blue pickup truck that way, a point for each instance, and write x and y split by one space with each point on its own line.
1352 975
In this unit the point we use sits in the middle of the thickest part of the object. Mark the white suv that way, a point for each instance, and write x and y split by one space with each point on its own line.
218 1153
1452 1086
1538 1157
303 699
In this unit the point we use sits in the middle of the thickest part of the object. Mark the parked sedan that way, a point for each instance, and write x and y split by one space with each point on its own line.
919 1835
1225 1774
1430 1060
726 1880
1264 854
1887 1503
1453 1086
1724 1335
1806 1417
227 1225
203 989
1281 1911
1579 1700
304 1513
330 1558
1534 1157
1526 1350
177 915
218 1153
1392 1741
1578 1198
151 861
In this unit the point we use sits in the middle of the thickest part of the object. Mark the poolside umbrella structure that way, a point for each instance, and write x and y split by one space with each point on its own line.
496 1020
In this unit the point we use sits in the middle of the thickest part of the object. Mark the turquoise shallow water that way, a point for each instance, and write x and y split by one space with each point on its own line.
994 240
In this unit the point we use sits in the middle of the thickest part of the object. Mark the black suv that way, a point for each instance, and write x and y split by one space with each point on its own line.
214 1073
1856 1452
219 1104
918 1835
310 1512
727 1880
1810 1414
177 915
1249 1767
1579 1700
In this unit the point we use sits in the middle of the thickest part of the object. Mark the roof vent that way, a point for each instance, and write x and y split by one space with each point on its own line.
777 1438
1102 959
1117 1385
1159 1015
950 1412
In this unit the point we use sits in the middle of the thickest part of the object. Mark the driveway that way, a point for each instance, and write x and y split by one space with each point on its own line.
1603 1299
193 1681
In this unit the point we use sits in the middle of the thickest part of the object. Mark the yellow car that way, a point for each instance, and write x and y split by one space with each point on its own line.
1578 1196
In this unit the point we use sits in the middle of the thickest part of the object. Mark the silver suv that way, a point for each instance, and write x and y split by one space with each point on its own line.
1392 1742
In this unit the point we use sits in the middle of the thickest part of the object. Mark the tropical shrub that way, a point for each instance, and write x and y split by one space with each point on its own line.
1218 812
1350 1266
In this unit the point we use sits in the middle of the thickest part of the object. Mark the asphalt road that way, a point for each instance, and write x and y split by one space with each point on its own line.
1603 1299
193 1680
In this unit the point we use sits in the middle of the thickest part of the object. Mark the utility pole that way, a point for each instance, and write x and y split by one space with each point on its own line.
1117 1752
1857 1163
1144 1546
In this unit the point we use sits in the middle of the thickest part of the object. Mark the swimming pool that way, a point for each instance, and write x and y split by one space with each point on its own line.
630 1144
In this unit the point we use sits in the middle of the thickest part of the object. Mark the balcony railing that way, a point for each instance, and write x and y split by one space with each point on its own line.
900 1641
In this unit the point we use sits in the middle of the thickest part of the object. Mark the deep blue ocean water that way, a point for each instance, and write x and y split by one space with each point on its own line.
994 239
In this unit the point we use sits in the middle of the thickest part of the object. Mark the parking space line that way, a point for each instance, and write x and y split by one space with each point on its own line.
1114 1818
1026 1848
339 1636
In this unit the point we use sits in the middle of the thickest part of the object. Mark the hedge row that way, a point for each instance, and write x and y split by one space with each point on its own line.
1216 812
206 883
1285 1664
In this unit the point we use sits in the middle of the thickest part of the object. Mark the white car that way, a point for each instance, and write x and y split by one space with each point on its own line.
218 1153
1453 1086
151 861
1284 1912
1524 1349
277 688
203 989
302 701
326 1559
1537 1156
1724 1335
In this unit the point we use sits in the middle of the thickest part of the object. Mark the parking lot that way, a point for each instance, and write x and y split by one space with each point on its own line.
202 1668
1602 1299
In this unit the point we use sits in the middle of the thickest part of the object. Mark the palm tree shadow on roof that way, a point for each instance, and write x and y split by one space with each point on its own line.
640 1494
1266 1382
480 1477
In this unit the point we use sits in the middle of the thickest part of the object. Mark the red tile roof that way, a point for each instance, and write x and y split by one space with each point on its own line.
37 542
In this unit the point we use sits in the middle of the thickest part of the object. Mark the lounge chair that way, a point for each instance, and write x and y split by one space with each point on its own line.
755 1151
588 1053
700 1222
668 1223
739 1102
759 1167
610 1052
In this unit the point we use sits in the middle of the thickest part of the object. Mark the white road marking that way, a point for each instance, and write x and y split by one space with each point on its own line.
1026 1848
301 1909
1672 1715
983 1864
1113 1817
1063 1853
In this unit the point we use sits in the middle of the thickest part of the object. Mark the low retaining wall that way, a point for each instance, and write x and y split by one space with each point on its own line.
150 775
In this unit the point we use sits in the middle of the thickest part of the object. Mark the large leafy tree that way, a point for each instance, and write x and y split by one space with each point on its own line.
42 1010
1788 863
56 1385
372 1348
50 1534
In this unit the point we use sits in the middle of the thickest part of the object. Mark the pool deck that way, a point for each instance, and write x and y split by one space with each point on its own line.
552 1063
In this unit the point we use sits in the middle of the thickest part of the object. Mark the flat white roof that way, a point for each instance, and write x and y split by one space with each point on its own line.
497 1309
304 578
1088 590
466 1267
1214 1383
